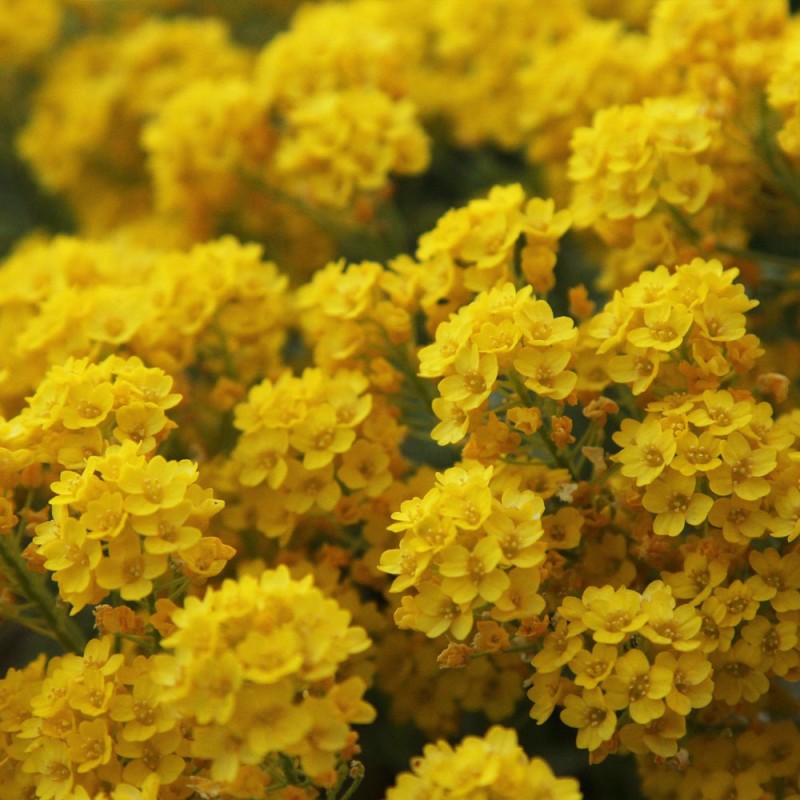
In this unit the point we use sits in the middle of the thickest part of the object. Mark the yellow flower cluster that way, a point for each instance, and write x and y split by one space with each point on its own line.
253 666
703 458
305 440
120 514
86 155
218 307
28 29
784 95
760 761
482 239
501 329
322 119
633 157
685 329
467 543
249 674
493 767
85 722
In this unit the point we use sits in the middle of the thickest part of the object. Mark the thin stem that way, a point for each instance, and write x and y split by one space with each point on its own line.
558 459
688 230
357 778
32 587
775 159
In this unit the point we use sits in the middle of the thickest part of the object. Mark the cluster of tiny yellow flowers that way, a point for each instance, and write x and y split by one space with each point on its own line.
28 29
218 307
425 365
249 673
305 440
634 157
253 665
493 767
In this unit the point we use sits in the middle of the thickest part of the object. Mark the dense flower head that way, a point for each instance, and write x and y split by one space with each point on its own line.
493 766
28 30
153 60
634 157
253 664
257 657
218 305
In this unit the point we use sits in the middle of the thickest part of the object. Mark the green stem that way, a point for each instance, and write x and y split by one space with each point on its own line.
357 778
588 437
781 170
558 459
422 388
522 648
32 587
686 227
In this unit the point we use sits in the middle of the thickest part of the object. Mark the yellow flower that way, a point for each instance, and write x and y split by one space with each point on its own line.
672 498
90 746
366 466
151 760
407 563
540 328
129 570
638 686
141 711
306 488
777 643
738 674
637 367
720 413
664 327
472 574
86 406
558 648
320 437
166 530
562 530
787 505
591 715
69 553
545 370
547 691
454 422
53 765
592 668
612 614
696 453
740 600
260 455
439 613
743 469
105 516
659 736
269 719
647 449
140 422
520 542
777 578
740 520
473 381
691 684
206 558
520 600
156 484
688 183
